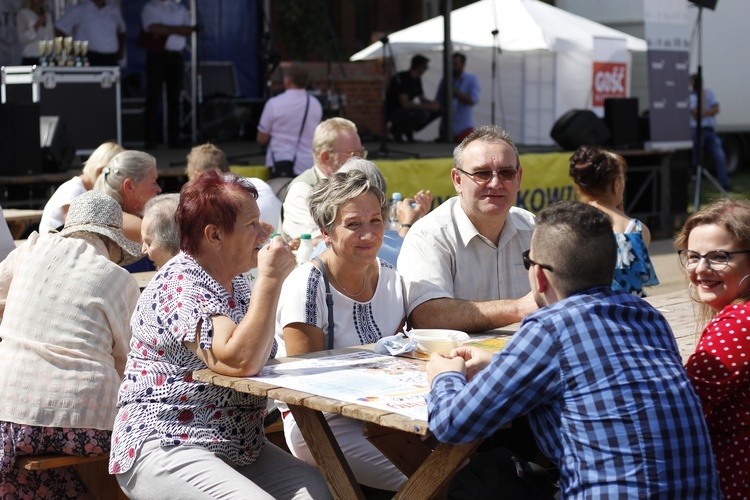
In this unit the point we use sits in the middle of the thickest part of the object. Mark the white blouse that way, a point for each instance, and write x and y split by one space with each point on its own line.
356 323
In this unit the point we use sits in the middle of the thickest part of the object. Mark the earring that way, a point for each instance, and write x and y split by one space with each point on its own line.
739 285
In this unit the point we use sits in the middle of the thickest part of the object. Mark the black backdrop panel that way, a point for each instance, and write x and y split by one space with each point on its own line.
19 139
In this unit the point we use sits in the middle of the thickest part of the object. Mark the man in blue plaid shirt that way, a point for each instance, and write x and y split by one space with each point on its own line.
597 371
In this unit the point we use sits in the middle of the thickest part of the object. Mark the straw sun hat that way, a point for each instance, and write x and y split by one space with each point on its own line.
95 212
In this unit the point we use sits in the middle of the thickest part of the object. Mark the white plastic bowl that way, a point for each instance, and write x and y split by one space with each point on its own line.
437 340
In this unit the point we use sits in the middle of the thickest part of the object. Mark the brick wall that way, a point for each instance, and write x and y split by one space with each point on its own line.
361 89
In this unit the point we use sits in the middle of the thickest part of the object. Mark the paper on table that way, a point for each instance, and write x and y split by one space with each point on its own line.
397 385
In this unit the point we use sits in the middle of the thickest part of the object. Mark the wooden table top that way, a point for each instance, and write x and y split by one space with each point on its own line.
18 219
143 277
319 403
22 215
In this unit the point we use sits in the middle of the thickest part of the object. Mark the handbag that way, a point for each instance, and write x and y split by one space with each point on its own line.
500 473
285 168
151 41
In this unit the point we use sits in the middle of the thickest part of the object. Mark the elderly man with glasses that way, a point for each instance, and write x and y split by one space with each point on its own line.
462 262
335 141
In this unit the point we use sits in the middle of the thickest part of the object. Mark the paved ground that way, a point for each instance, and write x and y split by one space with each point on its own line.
668 270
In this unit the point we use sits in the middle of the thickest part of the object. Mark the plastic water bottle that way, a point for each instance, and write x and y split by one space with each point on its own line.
393 213
305 250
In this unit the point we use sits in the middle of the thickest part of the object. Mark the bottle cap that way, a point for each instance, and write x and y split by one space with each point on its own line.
397 196
305 236
273 235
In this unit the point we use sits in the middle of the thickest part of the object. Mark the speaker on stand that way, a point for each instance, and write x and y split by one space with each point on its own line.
579 127
621 118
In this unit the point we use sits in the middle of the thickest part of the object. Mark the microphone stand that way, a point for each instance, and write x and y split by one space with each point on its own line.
698 89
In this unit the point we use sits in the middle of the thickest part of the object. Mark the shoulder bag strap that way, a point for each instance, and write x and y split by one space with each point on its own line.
299 136
329 301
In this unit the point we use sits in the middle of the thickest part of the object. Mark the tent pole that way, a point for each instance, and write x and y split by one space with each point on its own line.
194 74
447 71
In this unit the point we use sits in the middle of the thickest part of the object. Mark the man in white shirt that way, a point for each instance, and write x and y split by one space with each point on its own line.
170 20
462 263
335 141
99 23
286 127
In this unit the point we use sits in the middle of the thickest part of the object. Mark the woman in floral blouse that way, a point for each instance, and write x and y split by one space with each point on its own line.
599 177
175 437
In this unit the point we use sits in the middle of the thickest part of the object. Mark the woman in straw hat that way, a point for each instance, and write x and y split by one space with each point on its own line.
65 304
175 437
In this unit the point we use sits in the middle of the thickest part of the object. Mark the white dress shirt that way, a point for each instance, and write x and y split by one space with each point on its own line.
168 13
444 256
86 21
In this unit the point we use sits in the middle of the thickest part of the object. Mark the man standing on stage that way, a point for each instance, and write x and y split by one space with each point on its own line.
99 23
169 20
288 123
465 97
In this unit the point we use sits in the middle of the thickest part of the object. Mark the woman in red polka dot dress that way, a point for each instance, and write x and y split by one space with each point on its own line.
714 249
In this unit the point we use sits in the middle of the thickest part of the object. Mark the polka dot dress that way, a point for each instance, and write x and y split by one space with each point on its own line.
720 372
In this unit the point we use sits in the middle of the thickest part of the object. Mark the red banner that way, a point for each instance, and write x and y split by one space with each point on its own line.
610 80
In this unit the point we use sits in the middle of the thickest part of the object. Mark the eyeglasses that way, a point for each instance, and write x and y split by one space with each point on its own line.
527 262
362 153
484 176
716 260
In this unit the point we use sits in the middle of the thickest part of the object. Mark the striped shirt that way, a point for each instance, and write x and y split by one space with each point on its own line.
601 379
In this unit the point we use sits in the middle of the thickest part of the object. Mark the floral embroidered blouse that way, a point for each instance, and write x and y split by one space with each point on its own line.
159 395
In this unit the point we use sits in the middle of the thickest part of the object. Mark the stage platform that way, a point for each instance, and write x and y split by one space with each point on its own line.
656 189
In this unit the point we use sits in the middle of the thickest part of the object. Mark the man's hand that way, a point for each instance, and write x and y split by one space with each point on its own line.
440 363
475 359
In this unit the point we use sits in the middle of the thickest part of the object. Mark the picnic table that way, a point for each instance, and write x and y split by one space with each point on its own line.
401 438
19 219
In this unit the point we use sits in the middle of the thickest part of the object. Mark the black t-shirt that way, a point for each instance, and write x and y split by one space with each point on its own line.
403 83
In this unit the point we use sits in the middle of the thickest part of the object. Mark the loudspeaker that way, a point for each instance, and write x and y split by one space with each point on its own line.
709 4
621 118
579 127
57 152
19 139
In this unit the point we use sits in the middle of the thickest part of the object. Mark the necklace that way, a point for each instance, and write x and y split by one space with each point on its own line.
350 294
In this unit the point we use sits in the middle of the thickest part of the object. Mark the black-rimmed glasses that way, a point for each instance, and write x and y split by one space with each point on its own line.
715 260
527 262
484 176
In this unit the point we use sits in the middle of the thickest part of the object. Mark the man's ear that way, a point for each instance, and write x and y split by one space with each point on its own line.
456 178
542 282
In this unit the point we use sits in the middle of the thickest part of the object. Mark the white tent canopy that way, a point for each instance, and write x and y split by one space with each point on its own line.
544 68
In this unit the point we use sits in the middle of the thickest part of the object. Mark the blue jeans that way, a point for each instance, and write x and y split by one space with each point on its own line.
712 147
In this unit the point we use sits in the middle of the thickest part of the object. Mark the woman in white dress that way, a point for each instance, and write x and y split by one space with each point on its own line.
368 304
56 209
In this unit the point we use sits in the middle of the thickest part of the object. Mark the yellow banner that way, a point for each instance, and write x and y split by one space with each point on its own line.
545 178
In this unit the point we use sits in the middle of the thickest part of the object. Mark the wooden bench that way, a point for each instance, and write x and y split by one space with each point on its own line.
93 471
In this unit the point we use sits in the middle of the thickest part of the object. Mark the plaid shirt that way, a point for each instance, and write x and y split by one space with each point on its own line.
602 382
